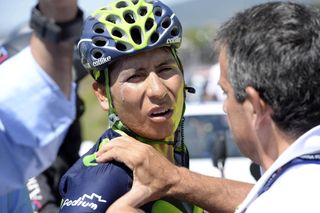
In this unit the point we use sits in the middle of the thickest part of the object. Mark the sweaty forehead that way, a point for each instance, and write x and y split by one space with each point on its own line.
154 57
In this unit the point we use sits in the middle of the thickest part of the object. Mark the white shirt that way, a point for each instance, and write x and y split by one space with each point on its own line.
34 118
297 189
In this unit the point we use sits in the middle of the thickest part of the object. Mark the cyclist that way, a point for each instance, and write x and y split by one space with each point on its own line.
129 48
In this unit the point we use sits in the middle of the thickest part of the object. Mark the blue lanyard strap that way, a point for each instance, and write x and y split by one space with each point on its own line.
304 159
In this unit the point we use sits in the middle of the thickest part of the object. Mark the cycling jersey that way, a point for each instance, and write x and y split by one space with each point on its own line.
91 187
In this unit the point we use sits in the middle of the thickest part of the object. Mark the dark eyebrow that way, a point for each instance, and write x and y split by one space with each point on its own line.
166 62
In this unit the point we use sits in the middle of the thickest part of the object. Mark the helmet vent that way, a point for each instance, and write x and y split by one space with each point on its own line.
154 37
157 11
149 24
97 54
117 33
121 47
113 19
84 61
136 35
175 31
166 22
99 42
143 11
122 4
98 29
129 17
135 1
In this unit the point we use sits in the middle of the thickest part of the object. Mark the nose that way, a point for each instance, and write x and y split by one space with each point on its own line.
156 87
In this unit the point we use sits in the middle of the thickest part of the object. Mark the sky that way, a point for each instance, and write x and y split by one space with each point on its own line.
15 13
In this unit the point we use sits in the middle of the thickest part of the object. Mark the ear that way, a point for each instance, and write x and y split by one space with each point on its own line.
260 109
100 92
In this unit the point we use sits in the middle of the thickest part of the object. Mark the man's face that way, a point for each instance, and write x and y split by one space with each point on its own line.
239 114
147 93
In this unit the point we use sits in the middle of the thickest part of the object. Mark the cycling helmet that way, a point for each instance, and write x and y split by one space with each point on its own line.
126 27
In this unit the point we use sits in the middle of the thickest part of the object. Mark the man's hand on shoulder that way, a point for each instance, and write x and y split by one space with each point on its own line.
153 175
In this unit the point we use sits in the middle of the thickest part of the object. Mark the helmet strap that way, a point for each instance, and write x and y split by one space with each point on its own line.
116 124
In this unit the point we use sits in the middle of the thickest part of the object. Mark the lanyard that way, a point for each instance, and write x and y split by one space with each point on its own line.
304 159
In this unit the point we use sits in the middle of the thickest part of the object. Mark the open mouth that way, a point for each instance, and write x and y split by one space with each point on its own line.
161 113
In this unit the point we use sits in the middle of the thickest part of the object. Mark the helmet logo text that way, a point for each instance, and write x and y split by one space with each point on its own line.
176 39
100 61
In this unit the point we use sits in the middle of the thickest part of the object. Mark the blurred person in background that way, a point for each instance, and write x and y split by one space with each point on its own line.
43 189
37 100
212 90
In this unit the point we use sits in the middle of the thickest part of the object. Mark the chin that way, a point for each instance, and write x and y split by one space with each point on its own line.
156 134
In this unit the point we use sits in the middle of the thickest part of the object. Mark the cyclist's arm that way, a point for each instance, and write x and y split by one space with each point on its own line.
105 183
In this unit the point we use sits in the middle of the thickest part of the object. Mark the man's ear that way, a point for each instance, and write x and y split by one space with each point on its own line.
260 109
100 92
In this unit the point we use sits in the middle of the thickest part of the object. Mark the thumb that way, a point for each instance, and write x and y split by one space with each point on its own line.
130 201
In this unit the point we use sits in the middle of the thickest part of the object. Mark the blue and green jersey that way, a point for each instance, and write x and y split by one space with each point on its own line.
91 187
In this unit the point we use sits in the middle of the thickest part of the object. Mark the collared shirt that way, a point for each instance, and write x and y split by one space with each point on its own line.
296 190
34 118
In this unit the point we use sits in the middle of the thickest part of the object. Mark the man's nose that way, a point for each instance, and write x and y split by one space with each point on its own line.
156 87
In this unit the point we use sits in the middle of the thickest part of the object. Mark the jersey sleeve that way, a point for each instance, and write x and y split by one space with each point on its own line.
93 188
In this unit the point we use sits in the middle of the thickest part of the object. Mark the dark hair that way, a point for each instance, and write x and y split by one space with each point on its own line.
275 48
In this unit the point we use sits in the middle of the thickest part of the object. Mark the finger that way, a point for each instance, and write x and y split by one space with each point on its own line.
122 149
115 154
127 209
108 147
129 202
118 142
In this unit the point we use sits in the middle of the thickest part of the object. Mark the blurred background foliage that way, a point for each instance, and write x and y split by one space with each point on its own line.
94 120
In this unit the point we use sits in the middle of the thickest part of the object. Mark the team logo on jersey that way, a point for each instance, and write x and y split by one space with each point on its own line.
87 201
3 54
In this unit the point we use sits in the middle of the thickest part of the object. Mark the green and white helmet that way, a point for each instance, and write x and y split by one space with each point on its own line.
126 27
